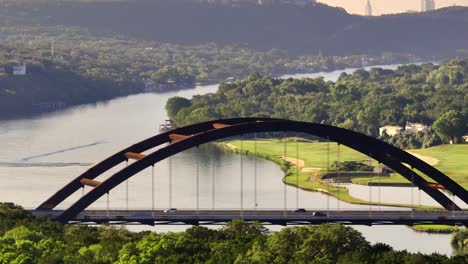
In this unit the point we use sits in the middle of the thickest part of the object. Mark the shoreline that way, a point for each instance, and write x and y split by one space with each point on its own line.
338 192
31 112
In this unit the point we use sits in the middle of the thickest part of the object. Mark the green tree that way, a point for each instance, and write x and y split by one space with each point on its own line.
450 126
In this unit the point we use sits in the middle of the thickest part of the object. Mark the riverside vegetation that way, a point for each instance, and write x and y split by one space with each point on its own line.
82 68
25 239
86 51
363 101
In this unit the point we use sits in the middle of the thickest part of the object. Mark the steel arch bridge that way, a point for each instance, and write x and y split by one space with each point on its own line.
197 134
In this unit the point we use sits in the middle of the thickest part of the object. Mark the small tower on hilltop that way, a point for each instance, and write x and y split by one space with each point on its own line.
368 8
427 5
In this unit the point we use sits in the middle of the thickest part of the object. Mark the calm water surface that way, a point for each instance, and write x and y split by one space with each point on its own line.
41 154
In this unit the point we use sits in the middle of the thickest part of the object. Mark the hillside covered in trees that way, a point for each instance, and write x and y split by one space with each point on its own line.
86 51
362 101
67 66
24 239
307 29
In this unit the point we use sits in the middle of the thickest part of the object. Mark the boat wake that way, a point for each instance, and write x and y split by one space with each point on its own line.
43 164
63 150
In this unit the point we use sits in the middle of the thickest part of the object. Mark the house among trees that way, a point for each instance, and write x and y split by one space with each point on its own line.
415 127
412 128
19 70
390 130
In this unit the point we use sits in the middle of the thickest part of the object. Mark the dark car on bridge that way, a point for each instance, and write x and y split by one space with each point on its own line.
317 213
300 210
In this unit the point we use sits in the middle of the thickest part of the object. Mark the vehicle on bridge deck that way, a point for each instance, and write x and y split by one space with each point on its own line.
170 210
318 213
300 210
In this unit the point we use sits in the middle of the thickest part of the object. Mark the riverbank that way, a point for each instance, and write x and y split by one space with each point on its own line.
306 163
436 229
50 97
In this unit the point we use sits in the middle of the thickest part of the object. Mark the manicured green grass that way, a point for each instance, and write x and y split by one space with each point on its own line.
321 155
435 228
453 161
314 154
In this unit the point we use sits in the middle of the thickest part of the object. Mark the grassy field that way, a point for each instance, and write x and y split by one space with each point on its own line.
453 161
318 156
435 228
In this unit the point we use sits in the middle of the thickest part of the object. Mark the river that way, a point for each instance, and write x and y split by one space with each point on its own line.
41 154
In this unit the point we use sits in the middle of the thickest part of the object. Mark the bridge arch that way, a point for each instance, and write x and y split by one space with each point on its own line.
389 155
139 147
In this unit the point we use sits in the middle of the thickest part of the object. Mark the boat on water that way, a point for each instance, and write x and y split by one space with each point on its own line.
167 126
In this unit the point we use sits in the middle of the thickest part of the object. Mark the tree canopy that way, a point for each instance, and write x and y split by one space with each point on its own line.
29 240
362 101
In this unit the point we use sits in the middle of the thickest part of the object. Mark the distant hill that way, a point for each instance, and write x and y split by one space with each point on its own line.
300 30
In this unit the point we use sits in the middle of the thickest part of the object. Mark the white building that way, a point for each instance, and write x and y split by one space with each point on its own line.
415 127
391 130
19 70
427 5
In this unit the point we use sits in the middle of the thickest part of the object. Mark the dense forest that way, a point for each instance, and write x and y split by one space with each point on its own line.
362 101
299 29
67 66
85 51
25 239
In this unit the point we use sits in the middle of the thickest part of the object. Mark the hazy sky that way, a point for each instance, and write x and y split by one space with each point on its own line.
388 6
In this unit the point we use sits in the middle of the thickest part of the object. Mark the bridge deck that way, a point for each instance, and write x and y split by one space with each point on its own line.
278 217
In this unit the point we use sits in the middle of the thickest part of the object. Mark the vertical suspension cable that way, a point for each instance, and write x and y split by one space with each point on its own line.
170 182
369 185
378 189
453 207
419 196
412 192
152 189
338 172
126 189
198 189
328 173
241 178
255 171
284 183
297 171
107 202
212 181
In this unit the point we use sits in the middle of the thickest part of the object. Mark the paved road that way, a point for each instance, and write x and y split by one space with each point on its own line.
266 216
